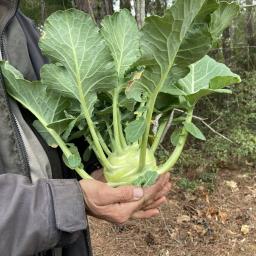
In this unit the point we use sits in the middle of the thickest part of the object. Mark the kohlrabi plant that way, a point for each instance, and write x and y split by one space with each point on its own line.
117 86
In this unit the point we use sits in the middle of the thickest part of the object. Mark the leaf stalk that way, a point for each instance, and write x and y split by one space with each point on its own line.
149 115
178 149
116 121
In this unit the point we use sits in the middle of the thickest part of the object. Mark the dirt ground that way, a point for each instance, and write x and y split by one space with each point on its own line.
199 223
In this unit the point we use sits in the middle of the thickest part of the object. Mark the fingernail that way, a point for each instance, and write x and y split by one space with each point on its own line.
138 193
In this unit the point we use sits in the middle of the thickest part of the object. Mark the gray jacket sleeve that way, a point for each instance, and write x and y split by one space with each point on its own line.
33 217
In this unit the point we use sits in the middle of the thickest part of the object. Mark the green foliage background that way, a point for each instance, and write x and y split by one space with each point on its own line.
33 9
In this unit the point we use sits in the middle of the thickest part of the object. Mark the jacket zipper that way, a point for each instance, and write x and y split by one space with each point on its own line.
26 168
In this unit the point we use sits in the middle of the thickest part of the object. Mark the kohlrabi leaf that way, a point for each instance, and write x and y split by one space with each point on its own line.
70 128
122 36
83 64
48 108
206 76
175 136
147 179
165 102
205 13
45 134
124 102
135 130
74 160
87 154
60 126
223 17
170 43
194 131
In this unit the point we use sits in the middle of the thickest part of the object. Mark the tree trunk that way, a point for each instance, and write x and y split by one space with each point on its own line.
250 36
109 7
96 8
125 4
82 5
165 4
226 46
42 11
147 7
140 12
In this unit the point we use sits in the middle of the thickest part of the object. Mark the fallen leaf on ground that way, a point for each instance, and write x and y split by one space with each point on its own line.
183 218
212 212
245 229
200 230
223 216
233 185
231 232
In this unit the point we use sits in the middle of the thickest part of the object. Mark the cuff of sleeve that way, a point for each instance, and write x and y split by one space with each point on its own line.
69 207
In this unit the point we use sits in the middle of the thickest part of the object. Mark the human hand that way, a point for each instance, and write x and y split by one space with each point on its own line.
157 201
117 205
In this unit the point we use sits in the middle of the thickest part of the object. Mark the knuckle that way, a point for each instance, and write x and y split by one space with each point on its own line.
162 186
126 194
166 190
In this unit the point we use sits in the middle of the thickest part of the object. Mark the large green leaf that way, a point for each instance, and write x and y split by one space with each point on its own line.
47 107
223 17
83 64
171 43
206 76
42 130
122 36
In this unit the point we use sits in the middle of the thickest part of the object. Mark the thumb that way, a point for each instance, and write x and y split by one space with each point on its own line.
126 194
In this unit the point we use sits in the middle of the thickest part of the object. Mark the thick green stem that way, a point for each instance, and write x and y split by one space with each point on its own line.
121 133
149 115
158 137
144 143
178 149
83 174
95 138
111 137
115 120
94 149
